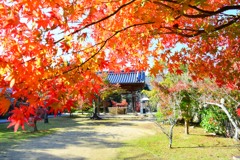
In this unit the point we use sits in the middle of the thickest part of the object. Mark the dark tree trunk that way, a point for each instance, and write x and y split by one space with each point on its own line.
35 126
104 106
95 115
186 123
45 117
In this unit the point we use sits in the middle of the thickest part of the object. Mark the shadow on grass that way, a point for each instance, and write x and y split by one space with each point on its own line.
34 145
44 129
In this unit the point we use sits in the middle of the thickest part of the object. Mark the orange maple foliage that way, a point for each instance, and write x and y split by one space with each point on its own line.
38 37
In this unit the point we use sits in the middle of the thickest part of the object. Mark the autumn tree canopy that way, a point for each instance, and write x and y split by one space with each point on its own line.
54 48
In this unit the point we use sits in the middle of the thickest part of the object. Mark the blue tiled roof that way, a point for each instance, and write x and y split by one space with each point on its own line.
8 90
126 77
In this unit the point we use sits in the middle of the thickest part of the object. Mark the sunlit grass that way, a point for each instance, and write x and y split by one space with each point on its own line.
196 146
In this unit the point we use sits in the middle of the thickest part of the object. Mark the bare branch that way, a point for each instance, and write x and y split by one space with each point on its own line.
163 129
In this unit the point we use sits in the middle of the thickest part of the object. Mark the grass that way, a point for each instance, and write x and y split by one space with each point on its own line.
196 146
9 138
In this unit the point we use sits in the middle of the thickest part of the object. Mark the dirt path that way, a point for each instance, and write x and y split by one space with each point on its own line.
91 141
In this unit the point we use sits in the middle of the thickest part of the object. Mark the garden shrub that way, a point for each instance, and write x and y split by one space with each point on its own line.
213 120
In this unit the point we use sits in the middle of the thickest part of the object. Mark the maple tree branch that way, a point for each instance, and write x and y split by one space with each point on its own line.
197 32
220 10
162 4
91 57
202 14
88 25
227 24
207 13
98 21
104 43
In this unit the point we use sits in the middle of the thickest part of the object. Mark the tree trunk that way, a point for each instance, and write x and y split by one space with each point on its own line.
45 117
104 106
95 115
170 142
98 109
186 123
171 135
35 125
104 110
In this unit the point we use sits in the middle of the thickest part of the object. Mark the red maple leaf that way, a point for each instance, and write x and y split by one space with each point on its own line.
238 112
18 118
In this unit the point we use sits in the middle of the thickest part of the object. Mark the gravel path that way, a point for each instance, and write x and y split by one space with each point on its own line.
91 141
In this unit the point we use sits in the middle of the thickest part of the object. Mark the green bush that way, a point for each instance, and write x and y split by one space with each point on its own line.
213 120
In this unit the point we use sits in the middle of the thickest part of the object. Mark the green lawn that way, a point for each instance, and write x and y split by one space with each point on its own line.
196 146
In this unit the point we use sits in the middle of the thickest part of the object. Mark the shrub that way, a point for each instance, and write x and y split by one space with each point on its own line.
213 120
